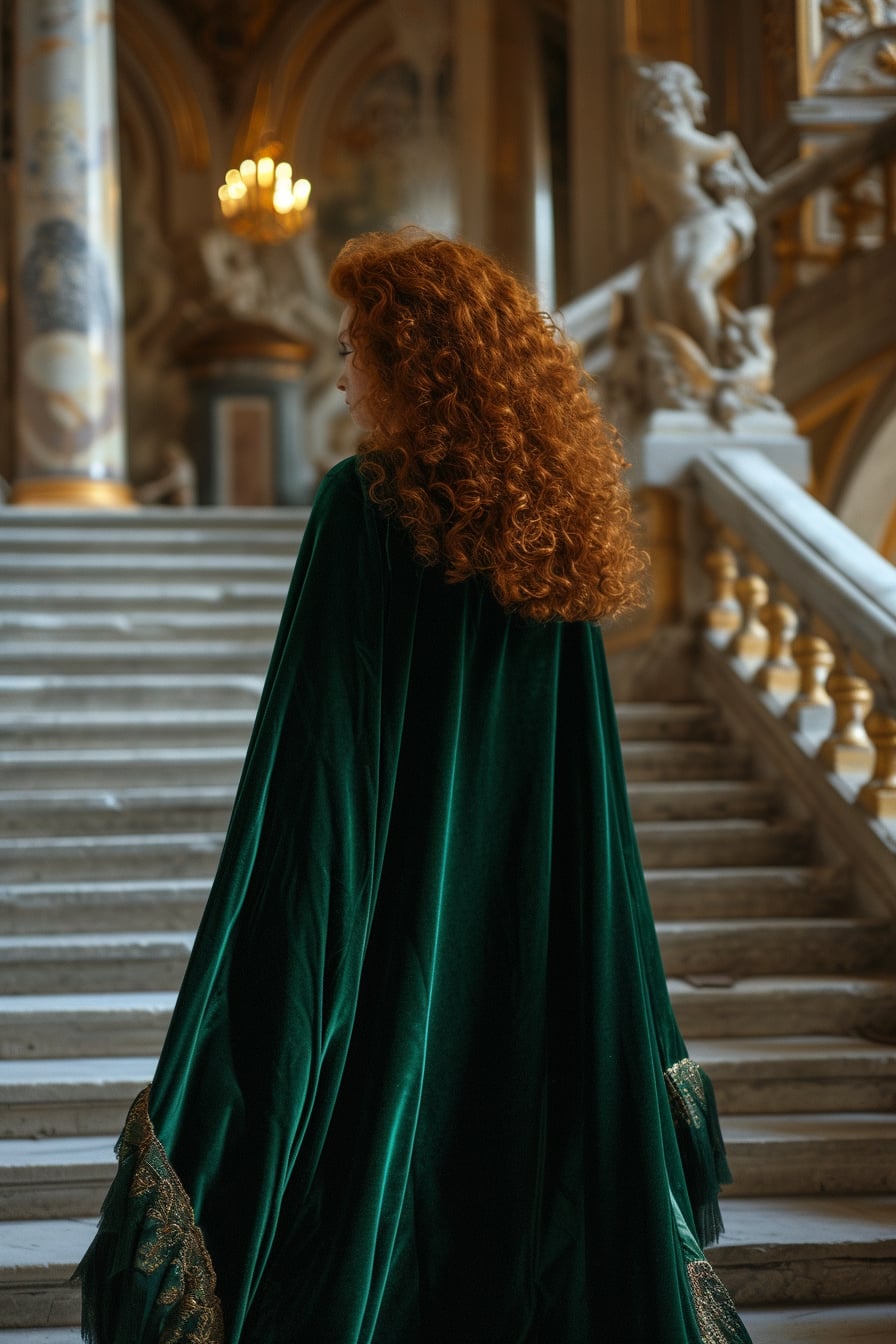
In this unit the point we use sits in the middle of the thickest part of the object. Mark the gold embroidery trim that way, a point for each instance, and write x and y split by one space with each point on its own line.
716 1313
684 1084
170 1235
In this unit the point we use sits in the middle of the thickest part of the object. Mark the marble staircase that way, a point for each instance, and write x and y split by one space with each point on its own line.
132 652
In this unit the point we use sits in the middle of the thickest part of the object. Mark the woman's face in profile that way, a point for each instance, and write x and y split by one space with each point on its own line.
353 380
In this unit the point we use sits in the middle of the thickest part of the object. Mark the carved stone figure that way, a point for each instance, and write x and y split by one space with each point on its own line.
679 343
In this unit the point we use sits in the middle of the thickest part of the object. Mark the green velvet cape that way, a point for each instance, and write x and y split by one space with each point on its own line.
423 1084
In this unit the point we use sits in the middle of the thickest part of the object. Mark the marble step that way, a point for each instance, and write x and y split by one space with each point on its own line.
839 1153
123 541
766 1005
669 721
776 946
59 629
83 812
812 1249
97 656
100 811
855 1323
177 903
739 893
194 853
704 800
49 729
723 843
53 1025
88 524
149 960
52 858
81 907
67 1177
136 691
817 1073
175 593
111 767
784 1250
218 566
55 1178
42 1098
83 963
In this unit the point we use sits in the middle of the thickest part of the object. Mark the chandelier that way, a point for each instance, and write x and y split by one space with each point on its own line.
260 200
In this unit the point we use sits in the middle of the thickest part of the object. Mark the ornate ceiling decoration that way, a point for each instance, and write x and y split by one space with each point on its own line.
226 33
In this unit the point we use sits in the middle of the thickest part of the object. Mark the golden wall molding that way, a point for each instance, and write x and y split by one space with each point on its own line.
155 45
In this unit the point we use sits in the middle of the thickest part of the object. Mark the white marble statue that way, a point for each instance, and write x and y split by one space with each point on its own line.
679 342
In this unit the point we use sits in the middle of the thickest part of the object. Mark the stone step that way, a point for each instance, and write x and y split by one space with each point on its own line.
822 1074
111 767
66 1177
37 1259
177 903
55 1178
126 540
84 812
122 691
841 1153
80 963
137 809
54 1025
149 960
783 1250
67 1097
90 523
856 1323
665 844
81 907
836 1248
98 656
704 800
67 595
660 761
194 853
776 946
60 629
771 1006
738 893
219 566
668 721
42 1334
49 859
48 729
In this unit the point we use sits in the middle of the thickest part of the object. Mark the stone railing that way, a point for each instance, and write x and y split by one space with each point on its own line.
804 613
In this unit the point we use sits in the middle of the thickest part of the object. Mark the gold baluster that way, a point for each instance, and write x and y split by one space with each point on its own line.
878 796
779 674
751 641
723 614
848 749
811 710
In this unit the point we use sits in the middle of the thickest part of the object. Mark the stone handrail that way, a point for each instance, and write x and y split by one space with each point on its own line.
807 611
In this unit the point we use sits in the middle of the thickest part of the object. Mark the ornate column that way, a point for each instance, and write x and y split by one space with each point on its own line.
67 272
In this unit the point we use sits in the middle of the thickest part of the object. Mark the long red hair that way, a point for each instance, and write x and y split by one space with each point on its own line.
489 448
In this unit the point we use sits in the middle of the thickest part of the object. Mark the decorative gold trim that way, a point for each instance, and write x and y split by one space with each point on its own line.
684 1085
72 492
171 81
716 1313
192 1309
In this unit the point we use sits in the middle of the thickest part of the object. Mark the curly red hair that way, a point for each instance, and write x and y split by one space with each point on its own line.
489 448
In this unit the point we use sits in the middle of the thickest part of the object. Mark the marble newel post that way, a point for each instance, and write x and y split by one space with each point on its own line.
67 272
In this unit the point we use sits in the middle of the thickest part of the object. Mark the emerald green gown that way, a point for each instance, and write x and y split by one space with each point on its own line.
422 1084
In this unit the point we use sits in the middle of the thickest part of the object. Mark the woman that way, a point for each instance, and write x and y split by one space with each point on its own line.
423 1082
